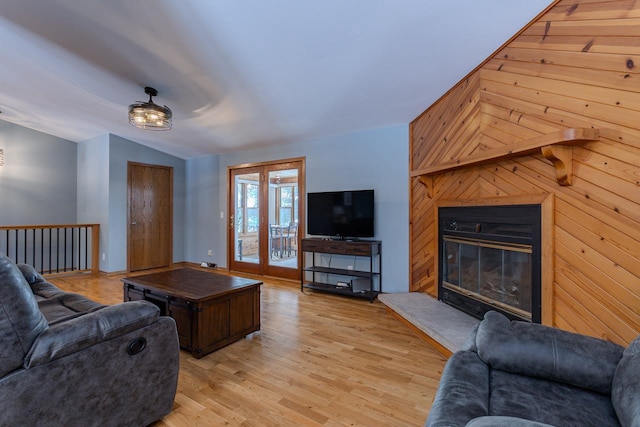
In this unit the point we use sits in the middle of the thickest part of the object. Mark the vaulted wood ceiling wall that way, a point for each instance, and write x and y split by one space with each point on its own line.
576 66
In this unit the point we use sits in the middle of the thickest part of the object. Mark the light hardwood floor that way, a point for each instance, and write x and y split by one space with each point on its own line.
318 360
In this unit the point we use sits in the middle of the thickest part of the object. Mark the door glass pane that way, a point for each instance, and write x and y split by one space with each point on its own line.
246 218
239 216
295 203
283 218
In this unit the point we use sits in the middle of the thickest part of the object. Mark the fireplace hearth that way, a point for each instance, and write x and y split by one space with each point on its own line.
490 260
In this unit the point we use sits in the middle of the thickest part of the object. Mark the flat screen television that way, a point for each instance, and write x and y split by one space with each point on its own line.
341 214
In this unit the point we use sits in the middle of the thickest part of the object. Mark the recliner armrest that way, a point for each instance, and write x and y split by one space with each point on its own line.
625 394
82 332
463 393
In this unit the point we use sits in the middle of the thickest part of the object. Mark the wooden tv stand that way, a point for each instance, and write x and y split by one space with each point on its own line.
357 283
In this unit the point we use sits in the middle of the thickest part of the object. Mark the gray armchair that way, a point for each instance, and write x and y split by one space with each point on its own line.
527 375
68 361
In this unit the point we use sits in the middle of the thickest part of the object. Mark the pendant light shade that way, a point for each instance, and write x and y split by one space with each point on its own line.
149 115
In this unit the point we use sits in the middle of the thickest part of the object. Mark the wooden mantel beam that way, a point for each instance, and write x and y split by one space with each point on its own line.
561 157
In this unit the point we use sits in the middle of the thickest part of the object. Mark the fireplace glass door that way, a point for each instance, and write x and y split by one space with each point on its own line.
489 259
495 273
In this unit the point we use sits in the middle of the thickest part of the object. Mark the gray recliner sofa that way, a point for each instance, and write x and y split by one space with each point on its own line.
519 374
68 361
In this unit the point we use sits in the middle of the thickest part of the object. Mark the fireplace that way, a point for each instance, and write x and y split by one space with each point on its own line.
490 259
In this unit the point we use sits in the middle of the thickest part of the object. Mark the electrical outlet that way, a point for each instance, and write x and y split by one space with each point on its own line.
210 252
349 267
104 256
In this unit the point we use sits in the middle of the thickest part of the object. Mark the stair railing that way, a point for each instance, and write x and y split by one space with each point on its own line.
53 249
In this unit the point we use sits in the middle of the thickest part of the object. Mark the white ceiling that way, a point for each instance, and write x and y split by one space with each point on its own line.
240 73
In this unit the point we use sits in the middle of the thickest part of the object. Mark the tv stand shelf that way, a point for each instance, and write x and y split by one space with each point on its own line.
341 271
366 288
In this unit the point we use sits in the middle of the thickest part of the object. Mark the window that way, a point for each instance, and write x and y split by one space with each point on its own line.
240 208
287 205
252 208
247 209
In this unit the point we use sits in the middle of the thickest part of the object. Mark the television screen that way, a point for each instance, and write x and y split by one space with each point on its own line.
341 214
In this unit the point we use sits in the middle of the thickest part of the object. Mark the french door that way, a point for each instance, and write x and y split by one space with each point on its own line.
266 217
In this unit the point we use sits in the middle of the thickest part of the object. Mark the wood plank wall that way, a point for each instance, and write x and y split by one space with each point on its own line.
577 65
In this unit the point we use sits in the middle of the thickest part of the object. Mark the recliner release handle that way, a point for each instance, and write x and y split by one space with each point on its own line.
136 346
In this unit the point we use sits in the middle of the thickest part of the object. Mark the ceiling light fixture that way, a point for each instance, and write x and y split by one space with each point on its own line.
149 115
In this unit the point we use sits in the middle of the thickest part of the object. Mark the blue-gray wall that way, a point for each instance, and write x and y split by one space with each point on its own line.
38 179
50 180
376 159
204 203
93 189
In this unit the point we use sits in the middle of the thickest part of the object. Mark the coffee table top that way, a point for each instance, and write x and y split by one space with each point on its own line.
191 284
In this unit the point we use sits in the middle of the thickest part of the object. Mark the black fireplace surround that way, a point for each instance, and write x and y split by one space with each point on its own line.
490 259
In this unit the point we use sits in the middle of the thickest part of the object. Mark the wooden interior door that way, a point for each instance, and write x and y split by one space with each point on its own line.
150 218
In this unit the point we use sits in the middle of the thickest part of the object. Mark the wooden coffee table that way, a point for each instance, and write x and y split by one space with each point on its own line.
211 310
